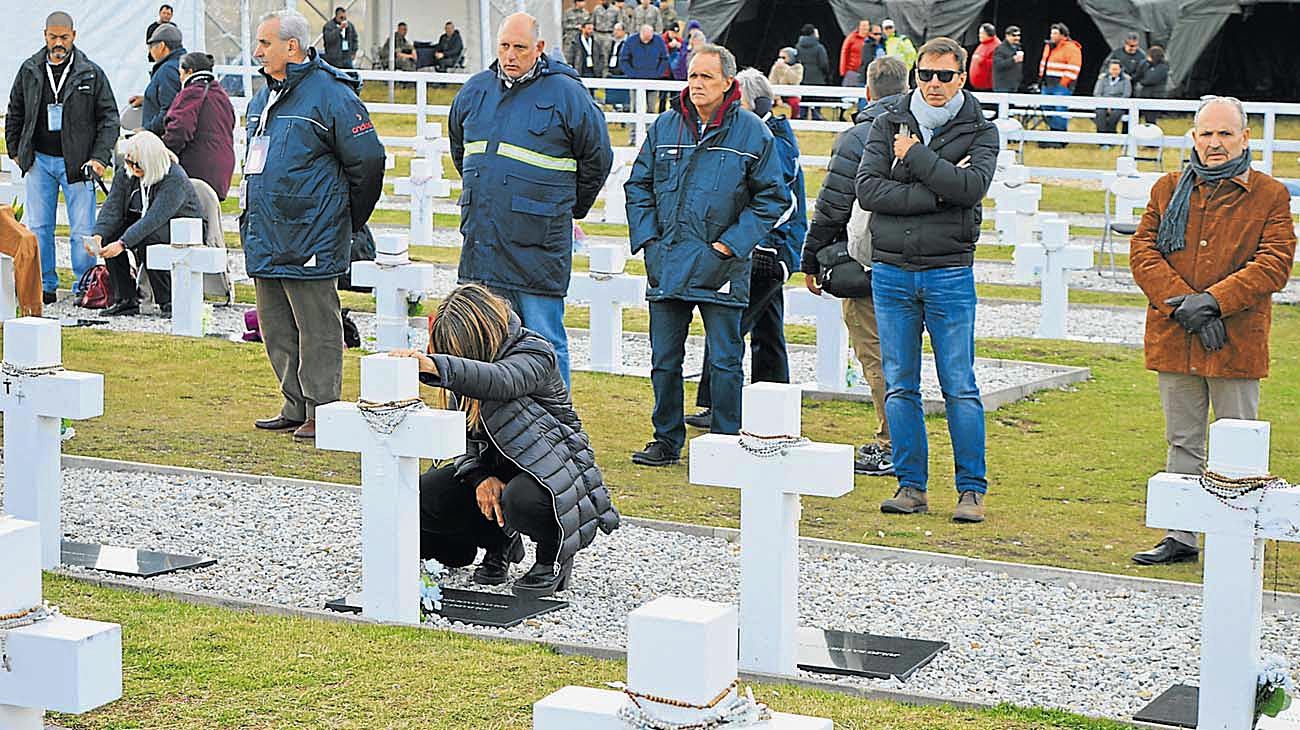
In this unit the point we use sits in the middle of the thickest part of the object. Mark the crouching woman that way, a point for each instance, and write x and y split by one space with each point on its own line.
529 468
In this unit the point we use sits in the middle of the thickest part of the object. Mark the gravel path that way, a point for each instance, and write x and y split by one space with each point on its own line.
1013 640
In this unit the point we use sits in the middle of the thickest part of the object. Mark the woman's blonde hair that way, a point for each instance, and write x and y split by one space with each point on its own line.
145 149
471 323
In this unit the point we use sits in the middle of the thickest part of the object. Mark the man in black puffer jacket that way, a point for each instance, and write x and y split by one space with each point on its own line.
927 166
886 77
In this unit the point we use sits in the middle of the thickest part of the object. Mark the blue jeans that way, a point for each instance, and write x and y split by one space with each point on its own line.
670 321
942 302
545 316
1056 123
763 320
44 180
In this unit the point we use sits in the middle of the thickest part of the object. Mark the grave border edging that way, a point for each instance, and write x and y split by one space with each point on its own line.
1282 602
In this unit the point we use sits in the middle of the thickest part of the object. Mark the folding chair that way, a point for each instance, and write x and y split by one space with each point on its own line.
1150 136
1129 189
1010 131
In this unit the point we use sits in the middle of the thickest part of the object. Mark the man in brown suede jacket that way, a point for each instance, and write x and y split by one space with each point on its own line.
1215 243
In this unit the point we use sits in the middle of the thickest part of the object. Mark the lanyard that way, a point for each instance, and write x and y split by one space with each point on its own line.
273 97
49 74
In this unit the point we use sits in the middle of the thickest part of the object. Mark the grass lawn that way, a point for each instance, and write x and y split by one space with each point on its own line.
1067 469
199 667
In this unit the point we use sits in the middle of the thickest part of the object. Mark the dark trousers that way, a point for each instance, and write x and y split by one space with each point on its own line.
452 528
764 321
670 322
124 288
302 328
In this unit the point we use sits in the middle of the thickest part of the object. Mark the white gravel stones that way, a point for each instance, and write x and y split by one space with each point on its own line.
1013 640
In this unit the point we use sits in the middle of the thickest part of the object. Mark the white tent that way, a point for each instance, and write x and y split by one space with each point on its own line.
110 32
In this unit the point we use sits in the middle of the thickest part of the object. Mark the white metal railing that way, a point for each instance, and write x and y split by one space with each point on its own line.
640 115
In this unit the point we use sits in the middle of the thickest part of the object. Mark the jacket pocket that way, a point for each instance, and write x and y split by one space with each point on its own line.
539 120
712 270
653 262
666 171
531 220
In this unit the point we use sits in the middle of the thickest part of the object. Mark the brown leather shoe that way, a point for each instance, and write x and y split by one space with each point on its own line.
279 423
906 501
307 431
970 507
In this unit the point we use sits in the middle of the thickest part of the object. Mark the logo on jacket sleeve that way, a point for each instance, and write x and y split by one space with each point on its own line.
363 125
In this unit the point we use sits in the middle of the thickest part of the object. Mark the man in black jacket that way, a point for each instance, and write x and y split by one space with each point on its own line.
61 127
340 39
1009 62
927 166
448 50
886 77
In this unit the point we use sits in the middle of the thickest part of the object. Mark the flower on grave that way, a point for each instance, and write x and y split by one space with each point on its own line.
413 300
66 431
431 574
1273 687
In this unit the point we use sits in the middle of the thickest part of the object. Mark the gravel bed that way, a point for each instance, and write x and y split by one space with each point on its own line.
1012 640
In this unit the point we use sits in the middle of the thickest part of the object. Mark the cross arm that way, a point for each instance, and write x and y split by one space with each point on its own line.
409 277
63 664
621 288
429 434
1177 502
66 394
204 259
816 469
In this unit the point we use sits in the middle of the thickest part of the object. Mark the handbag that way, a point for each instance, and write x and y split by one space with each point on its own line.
840 275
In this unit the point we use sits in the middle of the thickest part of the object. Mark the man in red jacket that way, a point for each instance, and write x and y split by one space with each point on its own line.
851 54
981 61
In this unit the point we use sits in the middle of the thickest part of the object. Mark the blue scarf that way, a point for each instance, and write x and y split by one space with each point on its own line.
931 118
1173 226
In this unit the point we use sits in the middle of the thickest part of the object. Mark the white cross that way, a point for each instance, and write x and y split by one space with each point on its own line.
607 289
1232 596
832 335
769 515
430 142
615 211
188 259
677 648
1014 198
15 189
59 663
391 285
1059 259
8 290
424 184
390 481
33 407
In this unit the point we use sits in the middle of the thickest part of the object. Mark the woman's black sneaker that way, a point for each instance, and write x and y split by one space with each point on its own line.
656 453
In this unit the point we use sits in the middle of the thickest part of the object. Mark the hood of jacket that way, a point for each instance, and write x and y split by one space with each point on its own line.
545 67
684 106
807 42
296 72
874 109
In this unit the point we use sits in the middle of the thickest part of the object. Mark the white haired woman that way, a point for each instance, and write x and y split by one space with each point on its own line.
149 190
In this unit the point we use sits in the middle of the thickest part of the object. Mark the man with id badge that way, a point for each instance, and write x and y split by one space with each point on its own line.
60 129
340 38
312 175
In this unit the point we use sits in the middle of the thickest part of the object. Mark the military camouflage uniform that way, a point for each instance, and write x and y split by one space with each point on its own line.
574 17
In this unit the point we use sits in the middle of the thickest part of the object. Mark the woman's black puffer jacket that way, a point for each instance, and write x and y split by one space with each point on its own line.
528 417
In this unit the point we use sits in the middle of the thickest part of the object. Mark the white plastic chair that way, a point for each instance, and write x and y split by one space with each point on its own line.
1010 131
1129 190
1150 136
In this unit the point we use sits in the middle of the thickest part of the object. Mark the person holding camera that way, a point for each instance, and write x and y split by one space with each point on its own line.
60 131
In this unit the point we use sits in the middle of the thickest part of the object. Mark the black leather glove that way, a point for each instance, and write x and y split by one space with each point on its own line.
1213 335
766 266
1193 311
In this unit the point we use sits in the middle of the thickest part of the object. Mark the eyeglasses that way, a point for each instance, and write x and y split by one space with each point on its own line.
945 75
134 163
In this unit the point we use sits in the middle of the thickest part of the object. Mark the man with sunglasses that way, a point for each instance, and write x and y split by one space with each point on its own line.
927 165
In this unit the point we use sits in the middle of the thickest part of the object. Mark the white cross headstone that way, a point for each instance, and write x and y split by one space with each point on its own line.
1059 259
390 480
1014 198
393 276
832 334
8 290
769 515
424 184
14 190
188 259
615 211
430 142
677 648
607 289
1232 597
33 406
59 663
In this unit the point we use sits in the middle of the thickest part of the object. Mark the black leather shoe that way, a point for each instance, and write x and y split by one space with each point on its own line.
49 297
1167 552
122 309
495 568
703 419
165 309
656 453
279 423
543 580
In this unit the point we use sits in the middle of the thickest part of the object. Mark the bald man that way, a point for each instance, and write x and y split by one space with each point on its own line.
533 151
60 130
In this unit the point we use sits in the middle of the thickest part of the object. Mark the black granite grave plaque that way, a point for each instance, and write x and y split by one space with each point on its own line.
863 655
81 322
1176 707
479 608
128 561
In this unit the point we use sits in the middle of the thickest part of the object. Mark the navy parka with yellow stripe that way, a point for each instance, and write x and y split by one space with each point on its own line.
532 157
689 189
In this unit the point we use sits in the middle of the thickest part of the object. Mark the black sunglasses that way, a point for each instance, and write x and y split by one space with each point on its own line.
945 75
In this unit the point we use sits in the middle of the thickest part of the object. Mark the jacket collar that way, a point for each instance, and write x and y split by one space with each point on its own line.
199 77
896 107
81 64
296 72
175 53
684 106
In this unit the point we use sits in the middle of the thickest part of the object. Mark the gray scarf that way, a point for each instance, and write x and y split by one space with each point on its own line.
1173 226
931 118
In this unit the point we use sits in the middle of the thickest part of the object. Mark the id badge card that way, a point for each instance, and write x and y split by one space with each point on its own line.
257 152
54 113
345 45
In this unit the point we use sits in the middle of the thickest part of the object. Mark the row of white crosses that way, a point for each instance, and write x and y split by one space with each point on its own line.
188 258
607 289
1235 533
33 406
390 480
677 648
